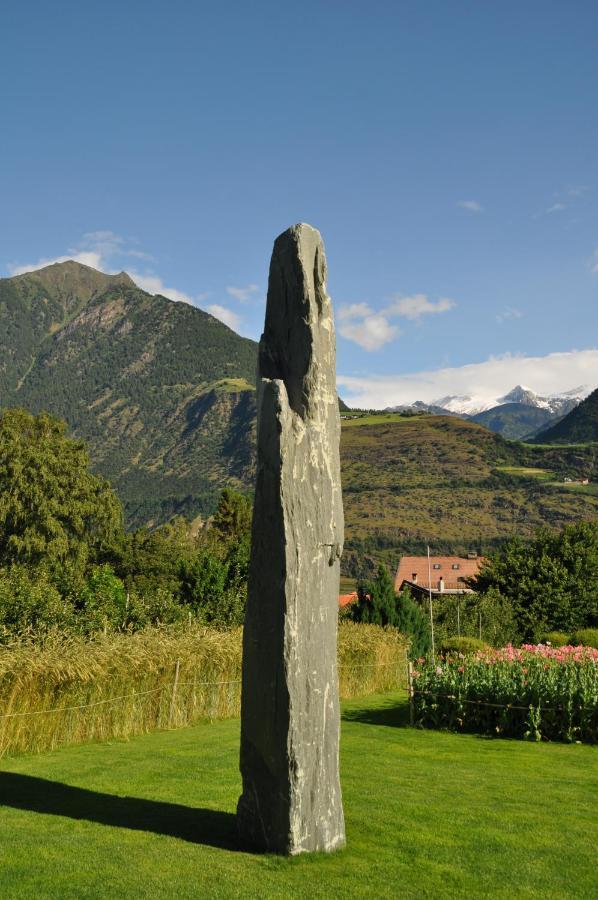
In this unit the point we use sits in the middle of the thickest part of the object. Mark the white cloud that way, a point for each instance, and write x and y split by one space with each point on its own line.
242 294
371 329
556 207
509 312
154 285
418 305
371 332
353 311
470 205
230 318
555 373
86 258
594 261
100 250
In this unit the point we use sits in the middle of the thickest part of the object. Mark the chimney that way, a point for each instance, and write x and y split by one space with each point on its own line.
414 578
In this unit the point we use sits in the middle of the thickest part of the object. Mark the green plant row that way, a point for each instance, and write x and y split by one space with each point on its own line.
70 690
536 693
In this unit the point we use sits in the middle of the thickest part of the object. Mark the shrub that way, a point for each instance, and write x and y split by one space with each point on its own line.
465 645
555 638
585 637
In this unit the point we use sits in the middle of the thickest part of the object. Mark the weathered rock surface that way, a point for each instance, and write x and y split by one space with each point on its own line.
291 800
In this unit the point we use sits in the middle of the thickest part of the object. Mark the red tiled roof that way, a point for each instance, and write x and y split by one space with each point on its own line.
440 566
346 599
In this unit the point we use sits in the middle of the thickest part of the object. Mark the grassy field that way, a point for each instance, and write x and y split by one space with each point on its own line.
350 421
71 690
428 815
526 472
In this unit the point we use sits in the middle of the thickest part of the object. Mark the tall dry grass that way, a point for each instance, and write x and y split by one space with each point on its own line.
67 690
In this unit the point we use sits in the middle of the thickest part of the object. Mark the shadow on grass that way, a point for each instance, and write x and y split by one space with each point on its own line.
198 826
392 713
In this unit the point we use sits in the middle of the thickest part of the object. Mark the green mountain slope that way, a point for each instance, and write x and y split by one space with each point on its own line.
514 420
455 485
161 391
578 426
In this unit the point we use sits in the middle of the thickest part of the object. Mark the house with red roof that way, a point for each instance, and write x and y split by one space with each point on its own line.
439 574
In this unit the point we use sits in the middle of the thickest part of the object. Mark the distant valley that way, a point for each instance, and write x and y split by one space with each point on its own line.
164 395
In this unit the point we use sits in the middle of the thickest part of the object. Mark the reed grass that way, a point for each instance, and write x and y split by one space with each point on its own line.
67 690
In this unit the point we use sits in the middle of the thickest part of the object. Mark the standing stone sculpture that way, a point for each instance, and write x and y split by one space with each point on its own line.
291 800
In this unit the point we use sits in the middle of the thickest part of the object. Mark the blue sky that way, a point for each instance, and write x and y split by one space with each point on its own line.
447 151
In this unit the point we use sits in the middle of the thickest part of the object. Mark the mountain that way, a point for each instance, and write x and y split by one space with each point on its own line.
472 405
454 485
556 404
420 406
162 391
579 426
164 395
514 420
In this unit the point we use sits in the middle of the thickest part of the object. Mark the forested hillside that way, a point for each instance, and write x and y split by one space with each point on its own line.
164 395
580 425
161 391
514 420
453 484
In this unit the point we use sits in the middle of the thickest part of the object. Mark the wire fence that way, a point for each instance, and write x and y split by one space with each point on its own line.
174 703
576 719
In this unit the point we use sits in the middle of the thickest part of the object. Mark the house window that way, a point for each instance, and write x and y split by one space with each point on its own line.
436 566
456 566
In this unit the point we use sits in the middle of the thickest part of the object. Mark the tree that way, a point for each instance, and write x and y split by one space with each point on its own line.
29 602
52 508
413 621
232 518
551 582
379 604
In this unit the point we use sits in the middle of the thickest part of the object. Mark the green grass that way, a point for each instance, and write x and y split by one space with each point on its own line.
526 472
376 419
589 489
428 814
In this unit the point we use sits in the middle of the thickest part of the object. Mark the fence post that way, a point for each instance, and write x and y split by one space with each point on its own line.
174 689
410 690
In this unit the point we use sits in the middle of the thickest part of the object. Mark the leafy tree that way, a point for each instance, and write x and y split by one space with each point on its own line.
469 615
551 582
232 519
29 601
148 560
103 601
52 509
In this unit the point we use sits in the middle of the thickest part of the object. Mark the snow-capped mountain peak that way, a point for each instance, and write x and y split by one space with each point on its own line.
521 394
472 404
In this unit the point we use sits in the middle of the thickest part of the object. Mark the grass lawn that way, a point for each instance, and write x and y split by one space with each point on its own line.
428 815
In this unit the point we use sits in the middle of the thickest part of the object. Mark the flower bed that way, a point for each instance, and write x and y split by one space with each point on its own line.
536 692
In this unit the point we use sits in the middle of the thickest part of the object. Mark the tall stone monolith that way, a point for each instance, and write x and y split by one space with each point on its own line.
291 800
